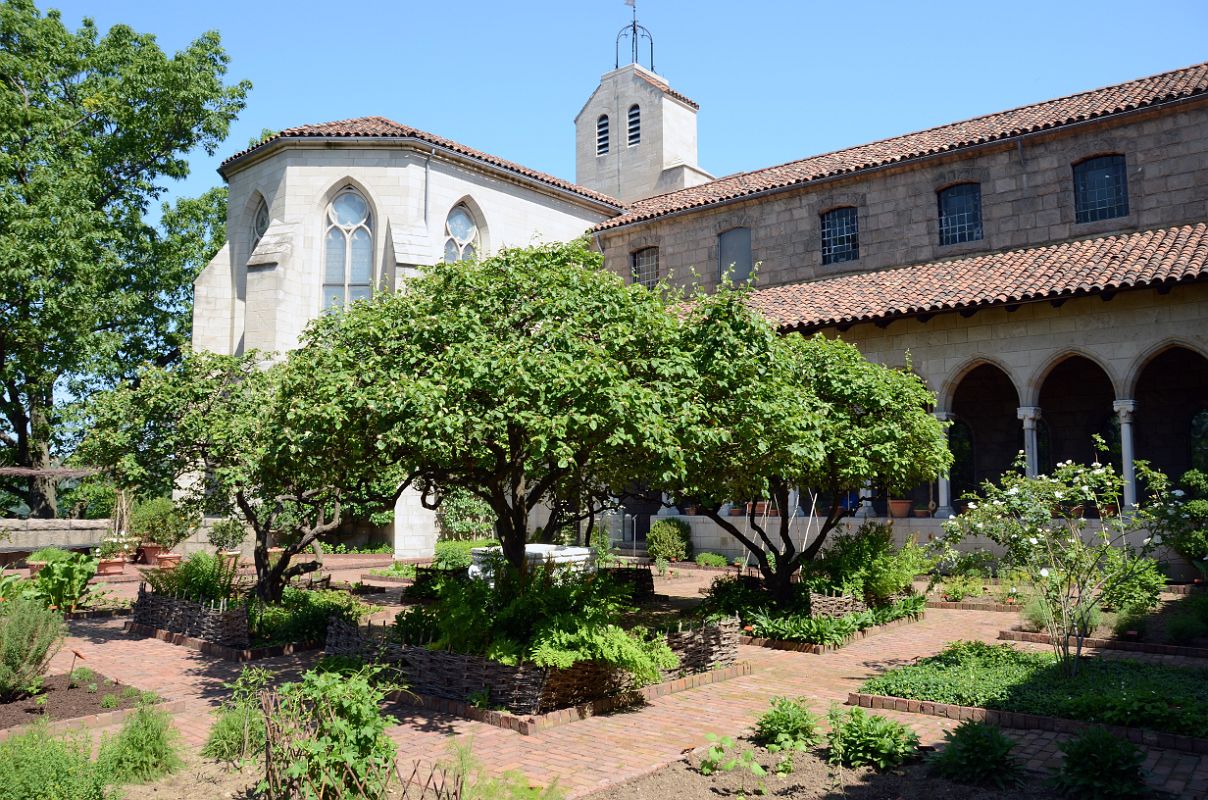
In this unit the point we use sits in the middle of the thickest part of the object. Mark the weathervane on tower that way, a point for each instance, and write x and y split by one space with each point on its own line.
635 32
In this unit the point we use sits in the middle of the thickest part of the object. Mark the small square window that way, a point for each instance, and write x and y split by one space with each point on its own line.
1100 189
840 235
960 213
645 267
734 253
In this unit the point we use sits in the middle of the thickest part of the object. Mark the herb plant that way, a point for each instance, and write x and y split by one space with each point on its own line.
977 754
1099 765
858 739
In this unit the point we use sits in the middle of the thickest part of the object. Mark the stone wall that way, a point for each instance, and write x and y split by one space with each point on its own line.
1027 199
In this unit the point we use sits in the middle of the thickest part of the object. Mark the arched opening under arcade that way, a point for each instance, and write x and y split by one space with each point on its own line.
985 436
1076 402
1171 418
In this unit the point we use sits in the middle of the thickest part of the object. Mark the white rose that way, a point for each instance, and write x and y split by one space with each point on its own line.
972 506
1044 573
1034 540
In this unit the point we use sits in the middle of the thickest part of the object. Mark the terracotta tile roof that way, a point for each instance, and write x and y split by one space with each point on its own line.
1068 269
389 129
1143 92
664 88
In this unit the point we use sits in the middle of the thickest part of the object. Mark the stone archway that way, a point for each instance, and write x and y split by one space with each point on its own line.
1172 411
985 436
1076 402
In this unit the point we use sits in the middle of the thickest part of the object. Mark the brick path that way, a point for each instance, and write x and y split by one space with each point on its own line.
600 751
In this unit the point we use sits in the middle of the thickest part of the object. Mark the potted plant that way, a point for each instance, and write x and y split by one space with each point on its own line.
922 511
900 508
738 509
159 525
168 560
111 555
227 535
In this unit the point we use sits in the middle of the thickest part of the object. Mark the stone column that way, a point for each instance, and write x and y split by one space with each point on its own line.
1125 410
943 485
1030 416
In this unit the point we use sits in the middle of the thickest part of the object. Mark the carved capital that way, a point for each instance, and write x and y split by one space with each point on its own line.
1030 416
1125 409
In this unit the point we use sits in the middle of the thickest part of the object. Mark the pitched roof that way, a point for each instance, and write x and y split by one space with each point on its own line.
381 127
654 81
1067 269
1140 93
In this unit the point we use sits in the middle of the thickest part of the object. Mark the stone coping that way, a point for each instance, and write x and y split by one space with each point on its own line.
963 606
92 721
220 651
1151 648
820 649
1031 722
530 724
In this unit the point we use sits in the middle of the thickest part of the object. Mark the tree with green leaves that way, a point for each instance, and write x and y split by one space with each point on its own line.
207 429
532 379
773 413
90 127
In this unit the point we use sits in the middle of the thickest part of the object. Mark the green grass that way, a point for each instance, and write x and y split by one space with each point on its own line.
395 570
1113 692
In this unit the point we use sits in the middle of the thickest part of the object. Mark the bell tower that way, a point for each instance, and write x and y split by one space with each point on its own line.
636 136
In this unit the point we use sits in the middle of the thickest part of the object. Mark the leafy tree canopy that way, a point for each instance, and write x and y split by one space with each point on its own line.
90 127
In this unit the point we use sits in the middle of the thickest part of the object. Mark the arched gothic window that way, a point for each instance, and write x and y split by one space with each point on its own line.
259 223
347 250
461 232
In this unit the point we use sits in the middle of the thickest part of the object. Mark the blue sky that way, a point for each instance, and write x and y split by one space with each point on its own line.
775 80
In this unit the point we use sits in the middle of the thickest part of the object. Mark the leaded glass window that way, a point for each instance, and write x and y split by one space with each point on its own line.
960 213
840 235
1100 189
461 235
734 253
259 223
347 250
602 135
635 125
645 267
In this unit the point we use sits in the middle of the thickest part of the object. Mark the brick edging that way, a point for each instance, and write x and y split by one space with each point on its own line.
1027 722
221 651
528 725
91 721
1111 644
368 576
962 606
819 649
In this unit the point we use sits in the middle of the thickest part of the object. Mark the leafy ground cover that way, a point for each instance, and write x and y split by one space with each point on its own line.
396 570
1114 692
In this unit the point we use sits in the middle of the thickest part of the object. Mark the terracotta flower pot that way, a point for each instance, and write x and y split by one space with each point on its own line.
922 513
738 511
111 566
168 560
151 553
900 508
230 558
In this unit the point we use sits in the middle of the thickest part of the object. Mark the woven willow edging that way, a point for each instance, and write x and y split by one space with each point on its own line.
1003 607
1111 644
819 649
529 724
218 623
1028 722
218 650
525 689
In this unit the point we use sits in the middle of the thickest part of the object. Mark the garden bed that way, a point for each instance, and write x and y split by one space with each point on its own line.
224 652
1165 699
59 700
529 724
1153 648
370 577
973 605
819 649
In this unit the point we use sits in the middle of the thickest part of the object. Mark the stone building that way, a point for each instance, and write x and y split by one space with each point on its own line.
1043 269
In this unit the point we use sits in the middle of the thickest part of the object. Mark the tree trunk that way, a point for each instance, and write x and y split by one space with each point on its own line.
42 498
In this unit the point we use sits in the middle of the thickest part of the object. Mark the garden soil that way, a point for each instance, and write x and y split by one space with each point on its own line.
58 701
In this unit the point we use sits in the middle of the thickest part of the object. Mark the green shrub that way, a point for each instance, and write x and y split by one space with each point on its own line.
37 766
397 569
958 587
62 584
801 627
160 522
239 731
974 564
227 534
1140 588
143 750
669 538
109 701
453 554
844 564
1184 628
201 577
1130 620
464 516
13 587
1036 614
1099 765
711 560
858 739
977 754
788 724
892 572
49 555
302 615
336 734
30 635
